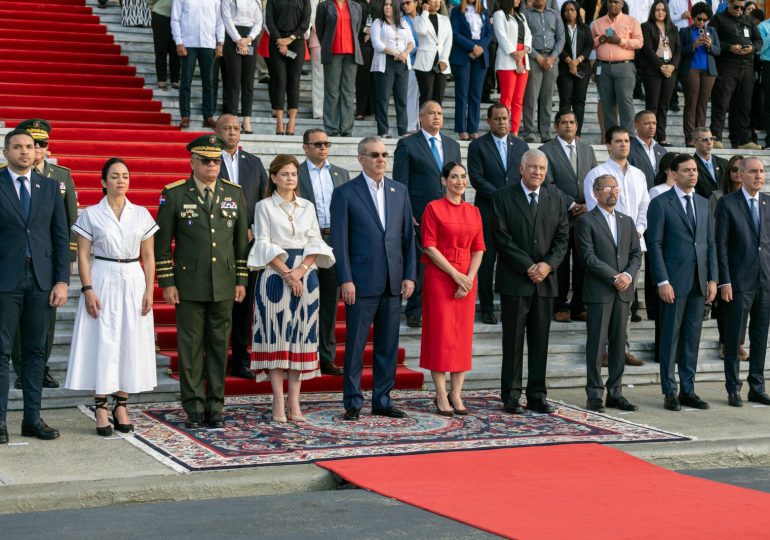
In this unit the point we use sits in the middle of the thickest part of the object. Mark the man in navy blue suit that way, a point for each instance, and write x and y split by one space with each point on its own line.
680 230
34 274
743 253
373 241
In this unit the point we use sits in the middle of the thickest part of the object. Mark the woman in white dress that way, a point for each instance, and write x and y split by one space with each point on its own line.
113 342
288 246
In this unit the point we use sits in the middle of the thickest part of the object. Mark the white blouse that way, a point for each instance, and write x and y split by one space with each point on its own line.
274 232
242 13
474 21
387 36
113 238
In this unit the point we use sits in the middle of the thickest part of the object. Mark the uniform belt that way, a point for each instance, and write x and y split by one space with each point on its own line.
544 51
615 61
326 230
115 260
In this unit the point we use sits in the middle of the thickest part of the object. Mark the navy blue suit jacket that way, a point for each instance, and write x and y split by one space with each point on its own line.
678 253
376 260
744 257
462 42
46 231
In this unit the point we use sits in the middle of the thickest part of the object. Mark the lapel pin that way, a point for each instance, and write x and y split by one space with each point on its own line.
37 186
393 189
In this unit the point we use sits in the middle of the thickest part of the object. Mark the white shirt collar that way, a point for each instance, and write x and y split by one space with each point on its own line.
605 213
566 145
680 193
648 147
14 176
372 184
428 136
746 194
278 200
503 140
312 166
527 191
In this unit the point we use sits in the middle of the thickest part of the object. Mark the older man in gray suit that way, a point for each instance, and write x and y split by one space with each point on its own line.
317 181
608 244
569 161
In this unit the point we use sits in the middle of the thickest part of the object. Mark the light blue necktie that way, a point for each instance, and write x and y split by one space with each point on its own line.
503 153
710 164
755 214
436 155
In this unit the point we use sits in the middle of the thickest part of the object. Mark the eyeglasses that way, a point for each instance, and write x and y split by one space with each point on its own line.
706 139
702 19
608 189
41 144
737 7
209 161
376 155
320 144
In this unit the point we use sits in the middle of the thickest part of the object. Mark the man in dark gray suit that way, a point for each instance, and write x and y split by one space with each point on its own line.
609 247
743 253
680 232
493 163
569 161
247 171
317 181
711 168
417 163
645 153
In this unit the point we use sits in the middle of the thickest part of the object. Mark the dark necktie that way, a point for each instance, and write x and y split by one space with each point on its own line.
690 211
24 198
755 214
533 203
207 200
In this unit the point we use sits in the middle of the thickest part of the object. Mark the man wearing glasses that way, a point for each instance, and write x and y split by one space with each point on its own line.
206 218
317 181
711 168
373 240
739 40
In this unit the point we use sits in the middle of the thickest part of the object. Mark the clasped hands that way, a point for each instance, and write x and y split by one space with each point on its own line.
538 272
464 284
622 282
242 46
293 278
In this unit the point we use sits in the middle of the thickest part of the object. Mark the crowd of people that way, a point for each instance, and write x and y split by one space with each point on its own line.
365 52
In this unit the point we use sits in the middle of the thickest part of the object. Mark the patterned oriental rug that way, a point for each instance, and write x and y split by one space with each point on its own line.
251 439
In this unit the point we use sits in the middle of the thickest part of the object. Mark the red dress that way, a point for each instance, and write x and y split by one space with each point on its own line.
447 324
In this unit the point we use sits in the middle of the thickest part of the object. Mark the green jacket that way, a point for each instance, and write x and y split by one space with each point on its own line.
63 177
209 257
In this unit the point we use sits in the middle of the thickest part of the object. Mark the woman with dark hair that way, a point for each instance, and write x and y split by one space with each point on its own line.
453 246
364 76
574 66
286 22
113 341
166 58
288 246
514 42
469 60
658 60
697 68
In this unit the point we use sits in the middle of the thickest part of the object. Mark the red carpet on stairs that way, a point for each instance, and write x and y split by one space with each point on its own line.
71 72
574 492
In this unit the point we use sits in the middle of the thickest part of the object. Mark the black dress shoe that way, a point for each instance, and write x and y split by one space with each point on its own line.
193 421
692 400
734 400
756 397
488 318
621 403
17 384
671 403
3 433
635 317
242 372
413 322
450 412
351 414
390 412
540 406
213 419
330 368
39 430
49 381
513 407
595 405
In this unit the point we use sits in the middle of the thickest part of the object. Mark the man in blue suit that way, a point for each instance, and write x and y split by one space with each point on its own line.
373 240
34 274
682 249
743 253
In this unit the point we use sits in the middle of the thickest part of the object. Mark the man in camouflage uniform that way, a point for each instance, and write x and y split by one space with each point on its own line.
206 218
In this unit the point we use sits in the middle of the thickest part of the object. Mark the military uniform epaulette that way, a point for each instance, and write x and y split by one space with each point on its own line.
54 165
229 183
176 184
3 165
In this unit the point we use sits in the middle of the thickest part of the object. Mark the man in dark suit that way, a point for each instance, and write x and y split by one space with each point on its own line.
680 231
531 233
743 254
569 161
317 181
417 163
645 153
711 168
609 246
247 171
493 162
373 240
34 275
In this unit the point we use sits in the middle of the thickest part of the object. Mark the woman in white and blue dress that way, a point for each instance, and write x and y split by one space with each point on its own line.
113 342
288 246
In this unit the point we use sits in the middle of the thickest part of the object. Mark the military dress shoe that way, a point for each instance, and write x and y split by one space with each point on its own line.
40 430
635 317
193 421
561 316
49 381
632 360
671 403
351 414
413 321
620 403
3 433
595 405
390 412
756 397
488 317
734 400
513 407
329 368
184 122
242 372
209 123
213 419
691 399
17 385
540 406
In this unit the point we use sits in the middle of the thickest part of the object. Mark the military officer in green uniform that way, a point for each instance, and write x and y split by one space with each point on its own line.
206 218
40 131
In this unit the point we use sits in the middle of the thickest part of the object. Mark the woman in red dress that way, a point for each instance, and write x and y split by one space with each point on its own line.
453 244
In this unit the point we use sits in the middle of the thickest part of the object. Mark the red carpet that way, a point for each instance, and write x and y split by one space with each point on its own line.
71 72
574 492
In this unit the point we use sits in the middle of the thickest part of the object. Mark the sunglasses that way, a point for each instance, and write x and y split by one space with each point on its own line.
320 144
41 144
209 161
608 189
738 8
376 155
702 19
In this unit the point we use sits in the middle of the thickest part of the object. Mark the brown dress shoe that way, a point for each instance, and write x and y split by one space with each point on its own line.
605 360
184 122
632 360
742 354
561 316
210 123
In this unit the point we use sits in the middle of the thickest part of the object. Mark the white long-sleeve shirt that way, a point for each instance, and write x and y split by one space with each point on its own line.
242 13
197 23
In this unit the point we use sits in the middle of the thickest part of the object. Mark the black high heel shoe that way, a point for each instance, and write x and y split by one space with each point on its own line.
101 403
460 412
120 401
439 411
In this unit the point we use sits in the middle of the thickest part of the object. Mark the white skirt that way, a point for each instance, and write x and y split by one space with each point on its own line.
115 351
